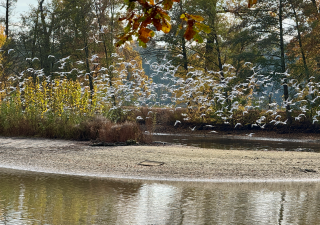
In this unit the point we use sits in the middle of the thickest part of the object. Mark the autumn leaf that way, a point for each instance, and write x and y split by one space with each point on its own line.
127 28
136 24
167 4
142 44
157 24
142 18
143 13
166 27
123 39
163 14
190 32
198 38
194 26
251 3
145 34
203 27
147 21
196 17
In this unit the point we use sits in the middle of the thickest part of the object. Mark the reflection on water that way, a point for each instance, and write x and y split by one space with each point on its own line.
227 143
30 198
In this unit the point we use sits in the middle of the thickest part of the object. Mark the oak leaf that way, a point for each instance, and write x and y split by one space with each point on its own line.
157 24
166 27
196 17
145 34
167 4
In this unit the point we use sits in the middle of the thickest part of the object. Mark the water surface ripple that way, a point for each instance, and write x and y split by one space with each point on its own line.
35 198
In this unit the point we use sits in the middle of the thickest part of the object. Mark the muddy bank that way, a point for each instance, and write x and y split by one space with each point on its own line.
157 162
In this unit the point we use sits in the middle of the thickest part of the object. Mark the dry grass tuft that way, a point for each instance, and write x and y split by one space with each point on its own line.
110 132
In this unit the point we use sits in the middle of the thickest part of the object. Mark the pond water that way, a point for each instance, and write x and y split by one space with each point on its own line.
240 143
35 198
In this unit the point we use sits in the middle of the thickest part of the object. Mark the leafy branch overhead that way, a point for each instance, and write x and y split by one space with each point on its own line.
142 14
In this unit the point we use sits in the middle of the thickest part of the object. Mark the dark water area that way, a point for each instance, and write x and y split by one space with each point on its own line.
239 143
35 198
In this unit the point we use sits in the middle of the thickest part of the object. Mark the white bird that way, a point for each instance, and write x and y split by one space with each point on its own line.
192 129
213 131
250 135
177 121
10 50
238 124
95 56
139 118
180 56
80 62
278 116
164 58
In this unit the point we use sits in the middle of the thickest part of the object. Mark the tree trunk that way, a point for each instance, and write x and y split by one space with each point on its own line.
88 67
209 60
283 66
300 42
219 55
315 6
213 44
46 40
184 49
7 18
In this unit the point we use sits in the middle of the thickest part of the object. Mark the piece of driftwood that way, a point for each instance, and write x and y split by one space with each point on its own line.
150 163
308 170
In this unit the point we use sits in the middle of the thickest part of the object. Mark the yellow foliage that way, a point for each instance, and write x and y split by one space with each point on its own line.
2 36
57 98
2 41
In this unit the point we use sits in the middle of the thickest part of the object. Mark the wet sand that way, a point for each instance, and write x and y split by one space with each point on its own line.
161 162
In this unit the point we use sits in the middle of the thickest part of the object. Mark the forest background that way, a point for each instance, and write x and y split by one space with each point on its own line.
61 68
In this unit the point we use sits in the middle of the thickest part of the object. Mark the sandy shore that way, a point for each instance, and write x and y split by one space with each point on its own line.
167 162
